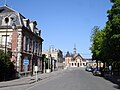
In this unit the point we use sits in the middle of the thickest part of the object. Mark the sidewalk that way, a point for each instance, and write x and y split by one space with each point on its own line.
113 79
16 82
27 80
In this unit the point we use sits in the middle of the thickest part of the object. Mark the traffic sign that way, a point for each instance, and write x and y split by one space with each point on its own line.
26 61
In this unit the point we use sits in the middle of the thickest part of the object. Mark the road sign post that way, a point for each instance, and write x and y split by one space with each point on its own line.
36 70
26 62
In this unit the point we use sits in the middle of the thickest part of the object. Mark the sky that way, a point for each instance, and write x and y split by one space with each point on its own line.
64 23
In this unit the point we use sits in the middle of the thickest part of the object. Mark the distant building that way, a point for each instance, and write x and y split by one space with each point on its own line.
74 60
23 40
93 63
56 54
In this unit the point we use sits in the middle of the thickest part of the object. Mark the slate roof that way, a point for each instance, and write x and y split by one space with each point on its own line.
7 11
68 54
74 55
15 17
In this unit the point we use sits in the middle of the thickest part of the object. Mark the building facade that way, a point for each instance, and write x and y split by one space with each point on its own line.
56 55
93 63
21 38
74 60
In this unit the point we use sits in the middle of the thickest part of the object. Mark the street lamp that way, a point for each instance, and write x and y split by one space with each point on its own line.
6 21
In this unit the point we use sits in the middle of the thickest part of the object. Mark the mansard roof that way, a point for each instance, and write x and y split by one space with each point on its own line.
6 9
17 18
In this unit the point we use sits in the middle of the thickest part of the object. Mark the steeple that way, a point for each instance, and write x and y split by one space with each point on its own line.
5 3
74 48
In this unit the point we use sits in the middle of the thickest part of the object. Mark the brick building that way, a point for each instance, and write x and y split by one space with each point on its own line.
21 38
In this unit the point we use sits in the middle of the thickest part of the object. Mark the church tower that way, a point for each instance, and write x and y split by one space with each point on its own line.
75 49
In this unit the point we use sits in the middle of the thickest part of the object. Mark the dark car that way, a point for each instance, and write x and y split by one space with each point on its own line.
97 72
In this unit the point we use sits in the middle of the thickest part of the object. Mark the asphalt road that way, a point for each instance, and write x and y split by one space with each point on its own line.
75 79
71 79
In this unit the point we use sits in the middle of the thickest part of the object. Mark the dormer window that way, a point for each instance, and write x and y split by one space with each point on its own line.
26 23
9 19
6 21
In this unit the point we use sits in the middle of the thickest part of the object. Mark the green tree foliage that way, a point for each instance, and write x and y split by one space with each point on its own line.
106 42
6 67
44 58
112 38
112 30
97 41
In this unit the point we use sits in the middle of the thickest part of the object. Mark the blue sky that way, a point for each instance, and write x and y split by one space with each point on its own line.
64 22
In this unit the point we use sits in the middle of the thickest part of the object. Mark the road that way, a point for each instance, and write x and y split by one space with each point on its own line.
71 79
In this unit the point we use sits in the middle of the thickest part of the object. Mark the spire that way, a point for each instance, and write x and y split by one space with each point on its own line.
74 48
5 3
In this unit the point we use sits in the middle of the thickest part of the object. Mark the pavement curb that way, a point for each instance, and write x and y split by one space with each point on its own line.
27 80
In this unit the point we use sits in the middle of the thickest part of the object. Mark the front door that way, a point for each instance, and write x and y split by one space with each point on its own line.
78 64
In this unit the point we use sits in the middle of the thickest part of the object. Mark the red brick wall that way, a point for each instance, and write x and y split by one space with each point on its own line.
14 40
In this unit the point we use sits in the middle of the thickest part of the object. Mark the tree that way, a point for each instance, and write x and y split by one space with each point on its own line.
106 43
112 35
6 67
97 42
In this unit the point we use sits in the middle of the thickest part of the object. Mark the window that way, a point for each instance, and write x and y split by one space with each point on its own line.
30 46
4 40
24 44
34 47
75 64
9 21
39 49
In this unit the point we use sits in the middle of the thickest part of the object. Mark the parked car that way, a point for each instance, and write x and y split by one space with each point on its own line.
89 68
97 72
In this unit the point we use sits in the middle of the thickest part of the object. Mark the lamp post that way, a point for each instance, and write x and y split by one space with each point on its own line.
6 21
